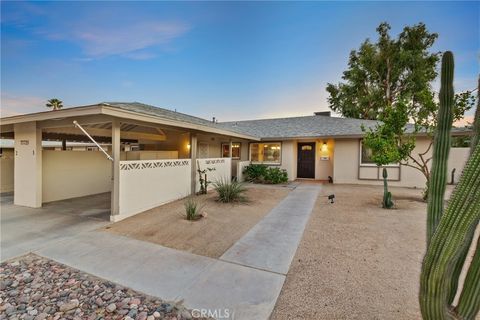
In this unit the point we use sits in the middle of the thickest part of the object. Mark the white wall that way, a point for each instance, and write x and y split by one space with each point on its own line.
457 159
147 184
289 159
71 174
222 170
7 171
149 155
241 165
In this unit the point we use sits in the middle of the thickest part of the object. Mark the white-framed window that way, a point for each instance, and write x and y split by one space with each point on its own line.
266 152
236 150
366 157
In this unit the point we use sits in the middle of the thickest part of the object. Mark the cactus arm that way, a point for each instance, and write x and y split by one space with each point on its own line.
458 221
441 147
469 303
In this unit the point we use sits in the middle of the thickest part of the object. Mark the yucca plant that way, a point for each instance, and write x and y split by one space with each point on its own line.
192 209
230 191
450 231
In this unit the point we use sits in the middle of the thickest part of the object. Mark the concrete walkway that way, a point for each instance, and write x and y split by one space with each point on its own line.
271 244
247 280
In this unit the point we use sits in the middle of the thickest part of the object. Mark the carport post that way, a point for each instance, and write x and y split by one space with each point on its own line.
193 159
115 197
28 165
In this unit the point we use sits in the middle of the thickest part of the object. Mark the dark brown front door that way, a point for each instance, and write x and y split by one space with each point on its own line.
306 160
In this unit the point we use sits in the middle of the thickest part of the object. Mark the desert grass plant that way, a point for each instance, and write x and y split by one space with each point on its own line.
192 209
230 191
451 230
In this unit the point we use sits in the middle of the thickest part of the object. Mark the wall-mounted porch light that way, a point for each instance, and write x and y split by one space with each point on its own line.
188 146
324 147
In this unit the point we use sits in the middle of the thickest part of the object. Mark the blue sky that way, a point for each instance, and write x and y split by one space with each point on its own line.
232 60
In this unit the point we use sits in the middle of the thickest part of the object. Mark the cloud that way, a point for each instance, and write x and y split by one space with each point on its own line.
465 121
14 105
127 40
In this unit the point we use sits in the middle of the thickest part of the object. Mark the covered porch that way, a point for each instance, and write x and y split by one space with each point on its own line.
147 160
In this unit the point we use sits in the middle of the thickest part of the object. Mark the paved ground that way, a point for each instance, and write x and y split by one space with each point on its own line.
25 229
271 244
203 282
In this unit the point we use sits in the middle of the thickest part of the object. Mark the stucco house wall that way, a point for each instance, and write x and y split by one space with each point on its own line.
71 174
347 160
7 168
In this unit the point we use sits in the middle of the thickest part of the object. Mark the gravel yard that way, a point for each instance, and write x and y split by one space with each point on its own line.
357 260
211 236
35 288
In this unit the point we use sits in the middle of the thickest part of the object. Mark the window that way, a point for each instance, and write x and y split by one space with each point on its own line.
366 157
236 146
269 153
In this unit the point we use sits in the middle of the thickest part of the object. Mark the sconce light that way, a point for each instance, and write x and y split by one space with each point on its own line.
324 147
188 146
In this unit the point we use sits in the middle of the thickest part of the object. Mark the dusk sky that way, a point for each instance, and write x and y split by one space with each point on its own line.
229 60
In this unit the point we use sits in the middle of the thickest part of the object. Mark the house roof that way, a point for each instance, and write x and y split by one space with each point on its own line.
315 126
300 127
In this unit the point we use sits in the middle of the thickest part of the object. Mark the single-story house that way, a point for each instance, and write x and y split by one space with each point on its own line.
152 155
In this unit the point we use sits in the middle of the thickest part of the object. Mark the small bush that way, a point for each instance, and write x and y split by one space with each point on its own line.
255 172
261 173
230 191
192 210
276 175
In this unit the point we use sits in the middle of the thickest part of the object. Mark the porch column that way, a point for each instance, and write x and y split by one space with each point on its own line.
28 165
193 157
115 197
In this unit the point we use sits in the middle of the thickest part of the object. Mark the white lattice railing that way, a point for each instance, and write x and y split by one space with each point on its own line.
146 184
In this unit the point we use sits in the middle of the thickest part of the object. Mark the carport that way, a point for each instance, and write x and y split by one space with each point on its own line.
143 156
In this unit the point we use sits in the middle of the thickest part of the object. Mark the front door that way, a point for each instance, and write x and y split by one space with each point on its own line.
306 160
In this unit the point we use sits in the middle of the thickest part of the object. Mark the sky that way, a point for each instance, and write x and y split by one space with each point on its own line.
231 60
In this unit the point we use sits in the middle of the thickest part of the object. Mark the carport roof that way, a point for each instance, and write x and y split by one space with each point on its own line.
130 110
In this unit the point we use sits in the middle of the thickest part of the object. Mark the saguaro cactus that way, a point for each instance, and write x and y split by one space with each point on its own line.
476 121
451 231
441 147
387 195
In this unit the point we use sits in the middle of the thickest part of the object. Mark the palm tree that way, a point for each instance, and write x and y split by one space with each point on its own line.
55 104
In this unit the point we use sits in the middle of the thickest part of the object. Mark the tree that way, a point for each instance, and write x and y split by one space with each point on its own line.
390 80
55 104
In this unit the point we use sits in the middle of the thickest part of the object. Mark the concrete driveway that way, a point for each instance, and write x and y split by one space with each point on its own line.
25 229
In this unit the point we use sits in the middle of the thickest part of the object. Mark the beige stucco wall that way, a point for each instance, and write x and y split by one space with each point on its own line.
28 165
71 174
457 159
7 170
289 159
347 157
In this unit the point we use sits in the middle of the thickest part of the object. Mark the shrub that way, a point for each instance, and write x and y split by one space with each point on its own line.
192 210
230 191
275 175
260 173
255 172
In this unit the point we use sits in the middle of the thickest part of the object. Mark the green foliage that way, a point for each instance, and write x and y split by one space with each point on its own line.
275 175
230 191
450 231
203 178
255 172
55 104
390 70
390 80
261 173
192 210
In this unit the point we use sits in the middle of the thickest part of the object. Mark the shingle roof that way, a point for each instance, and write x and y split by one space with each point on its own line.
293 127
159 112
298 127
